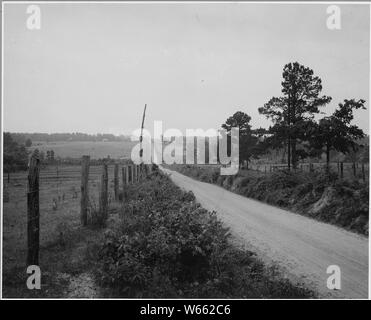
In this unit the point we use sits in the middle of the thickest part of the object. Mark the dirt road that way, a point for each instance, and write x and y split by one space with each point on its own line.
302 247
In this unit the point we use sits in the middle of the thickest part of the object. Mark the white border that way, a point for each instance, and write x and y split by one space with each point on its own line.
157 2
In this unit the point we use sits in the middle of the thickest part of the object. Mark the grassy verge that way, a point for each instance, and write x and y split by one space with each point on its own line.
61 262
68 251
166 245
317 195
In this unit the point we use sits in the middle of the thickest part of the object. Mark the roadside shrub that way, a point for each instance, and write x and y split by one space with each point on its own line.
215 175
228 181
220 180
206 177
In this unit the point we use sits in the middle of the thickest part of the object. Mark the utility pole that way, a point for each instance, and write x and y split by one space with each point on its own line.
141 133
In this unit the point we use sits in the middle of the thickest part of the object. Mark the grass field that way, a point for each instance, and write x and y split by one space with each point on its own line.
96 150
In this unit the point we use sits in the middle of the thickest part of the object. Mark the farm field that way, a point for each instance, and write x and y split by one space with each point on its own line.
96 150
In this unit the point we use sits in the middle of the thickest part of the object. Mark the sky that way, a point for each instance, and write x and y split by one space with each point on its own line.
92 67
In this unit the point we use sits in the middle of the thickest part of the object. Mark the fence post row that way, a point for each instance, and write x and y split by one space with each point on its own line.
116 181
84 190
103 197
33 210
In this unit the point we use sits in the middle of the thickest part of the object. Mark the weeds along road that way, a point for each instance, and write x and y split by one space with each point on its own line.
303 248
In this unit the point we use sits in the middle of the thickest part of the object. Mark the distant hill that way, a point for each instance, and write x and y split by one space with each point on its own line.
59 137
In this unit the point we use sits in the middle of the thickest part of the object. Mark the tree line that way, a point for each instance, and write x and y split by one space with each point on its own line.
294 127
15 155
59 137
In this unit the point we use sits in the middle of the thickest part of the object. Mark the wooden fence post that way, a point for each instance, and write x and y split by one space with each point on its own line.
341 170
142 170
116 181
130 174
103 197
134 176
84 190
354 169
123 176
33 211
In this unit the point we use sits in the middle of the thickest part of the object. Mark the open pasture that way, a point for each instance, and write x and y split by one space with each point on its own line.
96 150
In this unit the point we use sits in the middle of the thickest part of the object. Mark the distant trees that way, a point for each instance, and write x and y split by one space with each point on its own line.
28 143
42 157
75 136
336 131
15 156
247 141
292 113
50 156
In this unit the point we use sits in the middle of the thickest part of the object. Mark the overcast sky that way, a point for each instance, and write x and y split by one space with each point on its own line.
92 67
